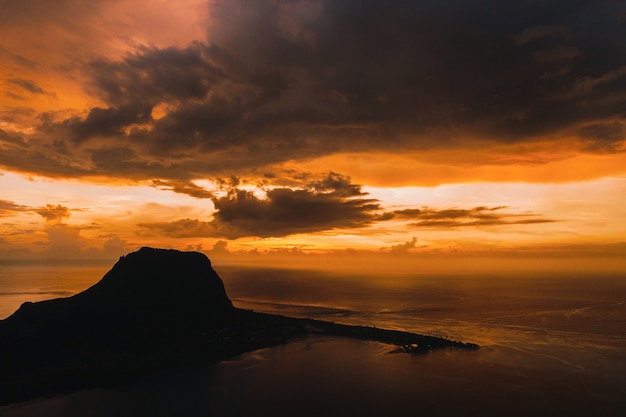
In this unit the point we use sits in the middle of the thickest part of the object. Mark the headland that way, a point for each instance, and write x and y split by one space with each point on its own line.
154 310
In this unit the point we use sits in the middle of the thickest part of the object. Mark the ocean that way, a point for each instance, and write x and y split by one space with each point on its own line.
551 343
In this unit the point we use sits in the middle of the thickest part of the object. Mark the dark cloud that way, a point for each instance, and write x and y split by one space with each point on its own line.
337 185
134 86
183 187
538 33
477 216
152 75
278 81
283 211
286 211
604 137
332 202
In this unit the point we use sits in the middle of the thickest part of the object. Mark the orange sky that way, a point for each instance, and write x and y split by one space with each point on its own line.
287 127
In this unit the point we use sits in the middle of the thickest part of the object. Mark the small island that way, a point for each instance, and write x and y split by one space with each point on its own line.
154 310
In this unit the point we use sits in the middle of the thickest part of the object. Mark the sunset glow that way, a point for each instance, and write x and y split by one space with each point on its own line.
312 128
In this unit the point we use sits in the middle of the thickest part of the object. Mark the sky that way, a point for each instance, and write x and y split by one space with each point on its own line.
311 128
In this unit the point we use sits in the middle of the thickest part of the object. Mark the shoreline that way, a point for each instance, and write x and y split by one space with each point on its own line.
88 365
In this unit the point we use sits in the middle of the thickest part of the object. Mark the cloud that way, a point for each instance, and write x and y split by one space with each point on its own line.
273 82
64 240
49 212
287 211
454 217
114 246
182 228
602 83
337 185
403 247
33 30
9 208
604 137
17 115
29 86
183 187
331 203
536 33
53 213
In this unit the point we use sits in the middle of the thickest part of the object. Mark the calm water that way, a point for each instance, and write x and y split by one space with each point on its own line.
550 344
20 283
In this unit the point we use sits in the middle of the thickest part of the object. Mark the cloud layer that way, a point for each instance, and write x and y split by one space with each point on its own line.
49 212
332 203
259 90
455 217
290 80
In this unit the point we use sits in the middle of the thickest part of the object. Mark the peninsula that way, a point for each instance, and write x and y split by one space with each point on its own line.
154 310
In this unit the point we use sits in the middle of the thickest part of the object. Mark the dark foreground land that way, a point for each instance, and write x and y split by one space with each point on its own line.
156 309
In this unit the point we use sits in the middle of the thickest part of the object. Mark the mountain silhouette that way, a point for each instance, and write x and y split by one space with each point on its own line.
155 309
146 290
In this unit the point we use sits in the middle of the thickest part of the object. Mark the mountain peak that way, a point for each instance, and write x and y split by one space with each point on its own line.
153 288
166 274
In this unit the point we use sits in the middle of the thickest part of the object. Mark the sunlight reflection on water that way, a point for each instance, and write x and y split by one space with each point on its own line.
548 345
21 283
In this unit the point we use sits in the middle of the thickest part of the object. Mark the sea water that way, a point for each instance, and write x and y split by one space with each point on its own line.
550 344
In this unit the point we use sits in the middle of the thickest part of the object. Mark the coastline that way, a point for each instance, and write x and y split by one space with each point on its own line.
336 376
156 309
89 365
